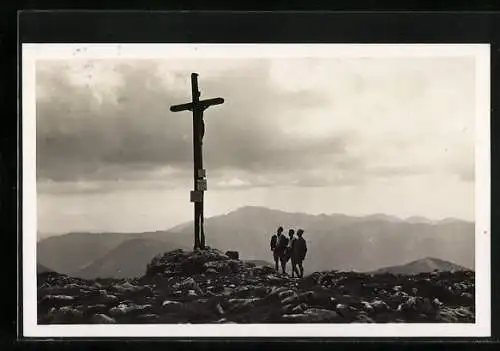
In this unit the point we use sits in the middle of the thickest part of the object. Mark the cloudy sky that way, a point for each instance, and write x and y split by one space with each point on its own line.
318 135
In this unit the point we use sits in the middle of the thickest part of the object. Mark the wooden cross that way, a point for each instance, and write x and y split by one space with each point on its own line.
200 183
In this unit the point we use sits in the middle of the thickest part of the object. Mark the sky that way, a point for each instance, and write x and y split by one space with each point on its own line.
326 135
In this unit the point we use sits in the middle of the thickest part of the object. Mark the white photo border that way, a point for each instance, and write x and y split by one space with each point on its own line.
481 52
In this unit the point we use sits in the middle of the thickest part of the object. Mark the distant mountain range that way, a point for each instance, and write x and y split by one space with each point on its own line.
260 262
424 265
335 241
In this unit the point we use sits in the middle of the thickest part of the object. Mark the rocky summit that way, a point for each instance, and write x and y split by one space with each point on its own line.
209 286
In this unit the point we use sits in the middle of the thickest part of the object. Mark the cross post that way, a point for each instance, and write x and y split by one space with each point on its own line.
197 195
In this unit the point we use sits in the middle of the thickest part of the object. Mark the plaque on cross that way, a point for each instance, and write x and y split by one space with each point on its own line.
197 107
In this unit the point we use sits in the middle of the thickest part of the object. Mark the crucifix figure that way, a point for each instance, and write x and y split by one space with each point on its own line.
197 106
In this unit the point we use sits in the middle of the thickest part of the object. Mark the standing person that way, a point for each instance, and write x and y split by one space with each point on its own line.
280 251
289 252
299 251
274 243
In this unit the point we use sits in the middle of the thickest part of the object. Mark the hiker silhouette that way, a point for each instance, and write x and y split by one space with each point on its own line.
279 244
299 251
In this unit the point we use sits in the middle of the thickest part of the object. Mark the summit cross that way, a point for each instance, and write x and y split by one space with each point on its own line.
197 106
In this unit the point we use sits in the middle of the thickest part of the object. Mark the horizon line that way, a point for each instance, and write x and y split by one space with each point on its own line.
400 218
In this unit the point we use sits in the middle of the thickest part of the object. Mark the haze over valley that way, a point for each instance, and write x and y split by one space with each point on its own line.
336 242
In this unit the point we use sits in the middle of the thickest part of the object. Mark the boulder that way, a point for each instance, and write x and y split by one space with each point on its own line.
188 284
126 287
147 318
455 315
362 317
292 299
239 305
380 306
233 255
417 305
312 315
95 309
262 270
223 266
124 309
66 315
101 318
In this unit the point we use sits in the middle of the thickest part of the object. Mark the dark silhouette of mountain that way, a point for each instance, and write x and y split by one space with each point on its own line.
68 253
42 269
424 265
260 262
71 253
336 241
342 242
129 259
418 219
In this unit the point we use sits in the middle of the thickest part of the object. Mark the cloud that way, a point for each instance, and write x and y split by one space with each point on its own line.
305 123
127 131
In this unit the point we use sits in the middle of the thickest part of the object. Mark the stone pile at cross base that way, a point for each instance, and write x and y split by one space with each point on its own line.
210 287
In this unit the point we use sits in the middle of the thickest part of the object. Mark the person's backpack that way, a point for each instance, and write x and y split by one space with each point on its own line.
274 239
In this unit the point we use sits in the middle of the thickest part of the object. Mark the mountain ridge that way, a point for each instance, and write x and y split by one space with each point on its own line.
423 265
335 241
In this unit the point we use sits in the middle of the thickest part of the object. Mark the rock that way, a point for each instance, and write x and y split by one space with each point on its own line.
170 306
57 298
108 298
188 284
225 290
101 318
455 315
126 287
262 270
169 303
273 279
312 315
148 318
437 303
233 255
123 309
97 309
467 295
344 310
320 298
67 314
367 306
238 305
292 299
416 305
398 298
288 309
363 318
307 296
380 306
219 309
221 267
285 293
299 308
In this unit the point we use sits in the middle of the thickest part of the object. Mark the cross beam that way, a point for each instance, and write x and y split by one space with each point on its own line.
197 107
